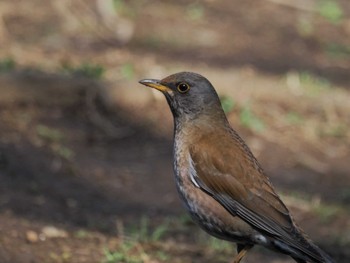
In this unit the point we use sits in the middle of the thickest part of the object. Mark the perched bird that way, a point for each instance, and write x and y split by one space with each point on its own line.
221 182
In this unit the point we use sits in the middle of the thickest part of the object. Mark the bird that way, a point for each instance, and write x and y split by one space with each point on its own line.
221 183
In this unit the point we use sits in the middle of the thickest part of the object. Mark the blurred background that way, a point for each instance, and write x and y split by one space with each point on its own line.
86 151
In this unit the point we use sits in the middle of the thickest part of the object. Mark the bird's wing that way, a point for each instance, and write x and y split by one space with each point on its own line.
233 177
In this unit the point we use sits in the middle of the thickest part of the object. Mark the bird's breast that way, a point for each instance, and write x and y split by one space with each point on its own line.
204 209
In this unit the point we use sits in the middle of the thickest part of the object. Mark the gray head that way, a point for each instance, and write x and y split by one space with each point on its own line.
188 94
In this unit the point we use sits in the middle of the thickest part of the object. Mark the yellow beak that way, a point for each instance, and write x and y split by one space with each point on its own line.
154 83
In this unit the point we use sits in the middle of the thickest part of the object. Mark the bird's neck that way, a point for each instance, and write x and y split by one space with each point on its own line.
204 123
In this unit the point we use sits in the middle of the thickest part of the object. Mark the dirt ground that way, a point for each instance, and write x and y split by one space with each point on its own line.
86 161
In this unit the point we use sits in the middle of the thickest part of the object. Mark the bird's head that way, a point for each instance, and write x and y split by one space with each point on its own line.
189 95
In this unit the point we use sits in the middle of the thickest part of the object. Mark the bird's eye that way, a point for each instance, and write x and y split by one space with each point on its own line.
183 87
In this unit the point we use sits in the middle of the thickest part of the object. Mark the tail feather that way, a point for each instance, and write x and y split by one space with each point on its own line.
322 257
325 257
309 252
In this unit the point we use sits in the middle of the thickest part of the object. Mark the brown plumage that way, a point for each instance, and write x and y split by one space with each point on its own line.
220 181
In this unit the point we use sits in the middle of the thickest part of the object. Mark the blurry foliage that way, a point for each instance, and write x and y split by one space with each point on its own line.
81 234
54 137
293 117
49 134
133 252
63 151
337 50
227 103
125 253
250 120
163 256
119 5
135 244
185 219
131 249
87 70
123 8
218 245
305 27
344 195
144 232
195 11
7 64
312 83
160 231
221 248
61 257
327 213
337 130
331 10
127 71
324 211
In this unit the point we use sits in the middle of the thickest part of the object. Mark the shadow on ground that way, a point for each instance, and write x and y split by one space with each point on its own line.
59 167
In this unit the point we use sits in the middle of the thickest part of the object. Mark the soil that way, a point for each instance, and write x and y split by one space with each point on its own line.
84 161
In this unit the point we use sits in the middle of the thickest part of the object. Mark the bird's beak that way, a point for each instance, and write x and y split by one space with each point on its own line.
156 84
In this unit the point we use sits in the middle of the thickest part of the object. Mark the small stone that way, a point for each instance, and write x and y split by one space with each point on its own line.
53 232
32 236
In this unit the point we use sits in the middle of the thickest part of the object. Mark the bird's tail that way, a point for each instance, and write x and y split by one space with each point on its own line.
299 246
325 257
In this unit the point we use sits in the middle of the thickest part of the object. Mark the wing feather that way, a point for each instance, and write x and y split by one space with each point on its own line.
240 186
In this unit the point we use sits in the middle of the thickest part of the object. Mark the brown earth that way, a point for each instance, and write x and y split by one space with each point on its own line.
92 159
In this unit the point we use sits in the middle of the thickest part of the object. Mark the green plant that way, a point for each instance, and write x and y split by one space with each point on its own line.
124 254
293 117
61 257
305 27
7 64
63 151
164 257
336 50
81 234
123 7
344 195
144 231
54 138
119 5
249 120
87 70
331 10
49 134
313 84
152 41
160 231
219 245
327 212
127 71
195 11
185 219
227 103
336 130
